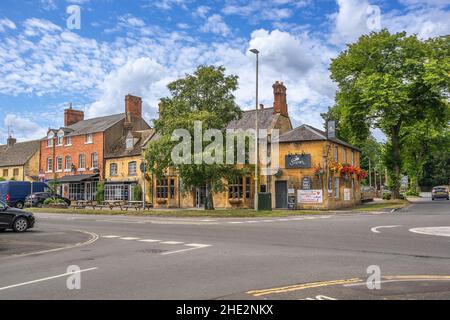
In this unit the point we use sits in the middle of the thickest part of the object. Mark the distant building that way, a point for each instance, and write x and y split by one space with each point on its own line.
19 161
74 155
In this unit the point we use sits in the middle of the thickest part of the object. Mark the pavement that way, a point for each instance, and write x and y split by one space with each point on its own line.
394 255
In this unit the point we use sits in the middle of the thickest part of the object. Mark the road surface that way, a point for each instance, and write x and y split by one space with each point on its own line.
403 255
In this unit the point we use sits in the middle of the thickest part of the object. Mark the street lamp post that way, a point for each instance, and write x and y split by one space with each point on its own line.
256 52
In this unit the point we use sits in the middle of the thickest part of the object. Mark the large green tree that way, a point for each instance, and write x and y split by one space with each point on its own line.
205 96
391 82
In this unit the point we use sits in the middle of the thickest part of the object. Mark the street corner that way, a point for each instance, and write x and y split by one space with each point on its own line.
39 241
395 287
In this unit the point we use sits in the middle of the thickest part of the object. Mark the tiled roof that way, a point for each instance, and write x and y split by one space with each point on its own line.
93 125
18 154
266 118
308 133
118 149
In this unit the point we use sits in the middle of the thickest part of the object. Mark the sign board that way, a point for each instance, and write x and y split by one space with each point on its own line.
404 181
291 202
306 183
346 194
291 191
310 196
297 161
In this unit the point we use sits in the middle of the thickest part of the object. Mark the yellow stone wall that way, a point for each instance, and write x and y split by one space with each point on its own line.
25 172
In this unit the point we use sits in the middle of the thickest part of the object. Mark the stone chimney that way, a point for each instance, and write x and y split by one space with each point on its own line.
11 141
72 116
279 103
133 106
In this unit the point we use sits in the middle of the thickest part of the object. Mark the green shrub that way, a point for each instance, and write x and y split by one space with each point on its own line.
387 196
53 201
412 193
137 193
100 195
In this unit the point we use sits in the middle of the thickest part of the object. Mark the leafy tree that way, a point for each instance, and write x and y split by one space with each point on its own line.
137 193
100 194
206 96
391 82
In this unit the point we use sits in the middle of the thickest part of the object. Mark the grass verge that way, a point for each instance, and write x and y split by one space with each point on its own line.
389 204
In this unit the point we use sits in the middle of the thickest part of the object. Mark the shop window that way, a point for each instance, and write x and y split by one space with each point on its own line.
117 192
113 169
162 189
236 189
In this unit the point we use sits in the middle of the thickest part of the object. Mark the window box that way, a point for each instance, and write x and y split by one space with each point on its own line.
161 201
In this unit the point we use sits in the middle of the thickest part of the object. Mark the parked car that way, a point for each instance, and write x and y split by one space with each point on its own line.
37 199
13 193
440 192
16 219
367 193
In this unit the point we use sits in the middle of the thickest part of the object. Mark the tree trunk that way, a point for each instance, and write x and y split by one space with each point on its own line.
396 163
209 202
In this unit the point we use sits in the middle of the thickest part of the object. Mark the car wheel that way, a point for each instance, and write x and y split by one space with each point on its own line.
432 199
20 225
2 230
19 205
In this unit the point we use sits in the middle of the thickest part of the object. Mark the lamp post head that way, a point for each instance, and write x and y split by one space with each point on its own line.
254 51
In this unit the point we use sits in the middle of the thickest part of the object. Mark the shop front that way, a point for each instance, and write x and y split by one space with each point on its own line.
79 187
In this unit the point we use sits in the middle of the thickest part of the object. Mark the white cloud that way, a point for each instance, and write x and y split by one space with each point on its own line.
215 24
6 24
24 129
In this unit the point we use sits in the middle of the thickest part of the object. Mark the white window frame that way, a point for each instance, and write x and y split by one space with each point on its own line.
129 143
89 138
113 173
81 167
68 141
49 164
94 160
68 164
59 164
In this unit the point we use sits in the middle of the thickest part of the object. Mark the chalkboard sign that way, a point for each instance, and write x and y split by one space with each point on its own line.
295 161
291 202
306 183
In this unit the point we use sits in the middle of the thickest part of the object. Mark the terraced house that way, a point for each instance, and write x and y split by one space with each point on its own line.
19 161
74 154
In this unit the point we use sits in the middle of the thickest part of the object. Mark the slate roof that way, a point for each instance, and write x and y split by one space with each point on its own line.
308 133
118 149
94 125
18 154
266 118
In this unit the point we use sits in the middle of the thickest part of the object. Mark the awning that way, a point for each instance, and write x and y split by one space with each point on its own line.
78 178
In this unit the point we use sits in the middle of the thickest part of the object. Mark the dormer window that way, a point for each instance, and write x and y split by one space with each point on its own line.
60 139
130 143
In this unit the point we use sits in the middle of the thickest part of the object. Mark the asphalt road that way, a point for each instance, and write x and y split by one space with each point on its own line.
311 257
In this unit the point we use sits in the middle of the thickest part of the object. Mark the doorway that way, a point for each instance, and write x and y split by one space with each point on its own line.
281 194
200 197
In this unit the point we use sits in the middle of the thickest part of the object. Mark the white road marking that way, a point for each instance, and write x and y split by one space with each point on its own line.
433 231
149 240
46 279
236 222
196 247
129 238
375 229
110 237
171 242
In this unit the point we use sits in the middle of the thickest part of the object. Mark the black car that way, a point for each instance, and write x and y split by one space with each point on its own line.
37 199
16 219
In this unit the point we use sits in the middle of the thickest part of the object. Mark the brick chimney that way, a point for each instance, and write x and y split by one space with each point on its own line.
279 103
133 106
72 116
11 141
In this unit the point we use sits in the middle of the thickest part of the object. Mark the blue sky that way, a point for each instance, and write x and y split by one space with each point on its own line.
139 46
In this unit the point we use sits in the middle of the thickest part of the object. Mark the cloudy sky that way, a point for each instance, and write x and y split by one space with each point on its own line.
139 46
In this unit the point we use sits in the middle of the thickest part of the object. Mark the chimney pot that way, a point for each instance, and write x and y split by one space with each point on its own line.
280 102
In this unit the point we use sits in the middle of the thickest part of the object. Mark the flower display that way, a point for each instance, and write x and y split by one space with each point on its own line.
318 170
347 170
